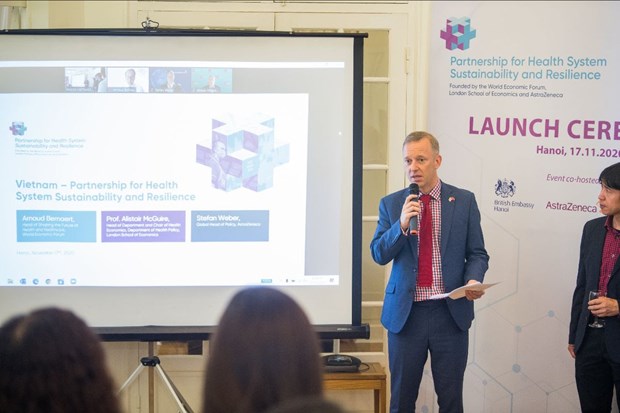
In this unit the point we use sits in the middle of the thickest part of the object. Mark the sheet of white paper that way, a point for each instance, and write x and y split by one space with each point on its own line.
460 292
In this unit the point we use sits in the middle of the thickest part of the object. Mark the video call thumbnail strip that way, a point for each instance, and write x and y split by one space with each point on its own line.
148 80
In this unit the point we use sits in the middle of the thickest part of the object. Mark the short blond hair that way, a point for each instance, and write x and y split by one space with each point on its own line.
419 135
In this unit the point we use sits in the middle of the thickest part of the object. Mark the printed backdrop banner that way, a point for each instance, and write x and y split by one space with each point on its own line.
524 99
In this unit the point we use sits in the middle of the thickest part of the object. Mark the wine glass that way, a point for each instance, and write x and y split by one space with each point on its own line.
596 323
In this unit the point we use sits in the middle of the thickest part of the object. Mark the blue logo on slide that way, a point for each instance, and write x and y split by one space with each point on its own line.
18 128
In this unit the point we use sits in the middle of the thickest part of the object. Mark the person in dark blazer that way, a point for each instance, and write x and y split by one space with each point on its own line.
597 350
416 323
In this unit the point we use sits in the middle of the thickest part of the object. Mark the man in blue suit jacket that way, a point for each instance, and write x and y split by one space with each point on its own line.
417 324
597 350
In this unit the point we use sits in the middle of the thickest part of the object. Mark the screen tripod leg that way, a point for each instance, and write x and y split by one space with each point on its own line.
178 397
131 378
154 362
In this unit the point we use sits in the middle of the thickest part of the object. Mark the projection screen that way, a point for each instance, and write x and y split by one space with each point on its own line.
148 175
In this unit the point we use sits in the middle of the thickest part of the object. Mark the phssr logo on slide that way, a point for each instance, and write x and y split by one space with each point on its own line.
18 128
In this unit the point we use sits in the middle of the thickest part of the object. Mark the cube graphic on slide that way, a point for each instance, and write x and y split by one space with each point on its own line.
282 154
242 152
243 164
258 138
230 135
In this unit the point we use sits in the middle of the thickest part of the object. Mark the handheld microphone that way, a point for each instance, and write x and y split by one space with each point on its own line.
414 189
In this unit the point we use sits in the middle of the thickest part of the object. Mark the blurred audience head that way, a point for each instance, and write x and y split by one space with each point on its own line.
263 353
52 362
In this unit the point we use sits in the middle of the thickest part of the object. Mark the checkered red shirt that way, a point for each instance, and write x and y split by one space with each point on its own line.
424 293
611 249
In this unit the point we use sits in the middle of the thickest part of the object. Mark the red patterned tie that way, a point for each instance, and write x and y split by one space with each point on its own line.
425 260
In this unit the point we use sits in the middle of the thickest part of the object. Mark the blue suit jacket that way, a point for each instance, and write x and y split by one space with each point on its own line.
463 256
590 255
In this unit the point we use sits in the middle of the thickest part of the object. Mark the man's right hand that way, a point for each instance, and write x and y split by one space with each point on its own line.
411 208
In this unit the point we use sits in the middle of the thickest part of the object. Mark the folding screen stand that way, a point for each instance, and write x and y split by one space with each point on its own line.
153 361
336 349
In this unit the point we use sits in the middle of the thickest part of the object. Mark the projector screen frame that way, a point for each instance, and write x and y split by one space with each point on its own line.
326 331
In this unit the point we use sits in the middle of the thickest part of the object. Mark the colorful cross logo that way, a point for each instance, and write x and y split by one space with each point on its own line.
458 33
18 128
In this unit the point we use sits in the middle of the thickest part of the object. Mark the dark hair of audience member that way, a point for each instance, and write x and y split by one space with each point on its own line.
52 362
264 352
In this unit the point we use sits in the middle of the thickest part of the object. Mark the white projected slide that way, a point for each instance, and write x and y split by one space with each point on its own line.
138 177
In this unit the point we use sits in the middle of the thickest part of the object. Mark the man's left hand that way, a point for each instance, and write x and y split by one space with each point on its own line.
604 307
473 294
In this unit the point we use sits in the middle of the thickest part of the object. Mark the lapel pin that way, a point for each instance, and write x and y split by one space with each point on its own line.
451 199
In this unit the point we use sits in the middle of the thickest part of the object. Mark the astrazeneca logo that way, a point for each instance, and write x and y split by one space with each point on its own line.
18 128
458 33
505 188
